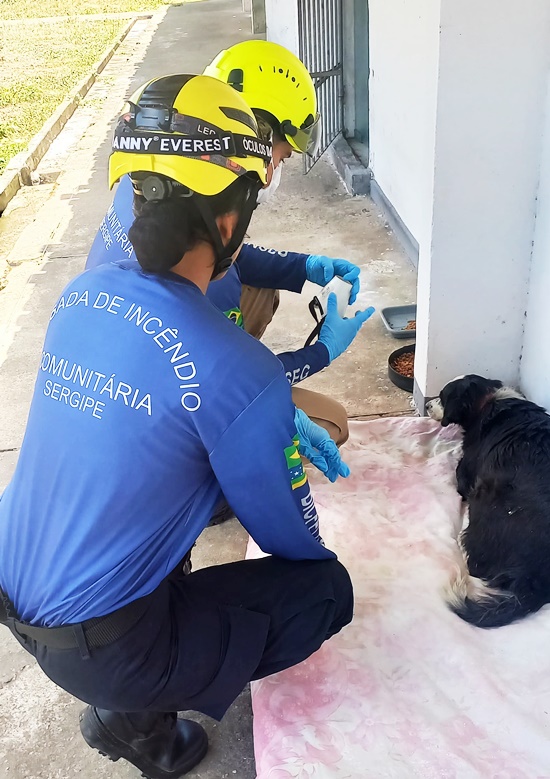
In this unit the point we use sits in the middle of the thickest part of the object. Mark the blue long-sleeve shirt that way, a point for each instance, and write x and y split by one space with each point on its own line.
148 405
256 266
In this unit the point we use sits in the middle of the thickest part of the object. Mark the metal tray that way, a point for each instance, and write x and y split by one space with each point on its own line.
395 318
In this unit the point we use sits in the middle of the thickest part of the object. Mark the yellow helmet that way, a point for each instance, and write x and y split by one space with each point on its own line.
194 130
272 79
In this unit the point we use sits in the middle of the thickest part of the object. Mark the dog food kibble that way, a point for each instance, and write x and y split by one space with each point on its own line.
411 325
404 364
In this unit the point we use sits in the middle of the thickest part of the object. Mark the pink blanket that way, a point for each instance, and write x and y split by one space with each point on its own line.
408 689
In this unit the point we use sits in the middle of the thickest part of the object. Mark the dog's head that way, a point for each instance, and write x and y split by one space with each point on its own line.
461 400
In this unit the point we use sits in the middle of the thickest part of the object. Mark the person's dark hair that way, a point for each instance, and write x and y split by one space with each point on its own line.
266 122
164 230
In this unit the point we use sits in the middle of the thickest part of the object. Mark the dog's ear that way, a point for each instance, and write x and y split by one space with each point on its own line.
454 399
455 410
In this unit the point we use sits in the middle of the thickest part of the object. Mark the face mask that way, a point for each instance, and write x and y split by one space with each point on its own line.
267 192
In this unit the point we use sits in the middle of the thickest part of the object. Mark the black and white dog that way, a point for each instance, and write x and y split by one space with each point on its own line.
504 477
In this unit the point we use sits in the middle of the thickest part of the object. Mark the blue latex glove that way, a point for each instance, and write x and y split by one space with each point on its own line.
338 332
318 447
320 270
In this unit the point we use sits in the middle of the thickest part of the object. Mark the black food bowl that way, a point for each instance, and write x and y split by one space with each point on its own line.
403 382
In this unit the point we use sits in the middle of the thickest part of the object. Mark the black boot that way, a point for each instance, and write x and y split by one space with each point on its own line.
186 564
160 745
222 514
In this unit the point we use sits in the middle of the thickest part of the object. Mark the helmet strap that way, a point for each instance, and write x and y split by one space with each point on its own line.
223 254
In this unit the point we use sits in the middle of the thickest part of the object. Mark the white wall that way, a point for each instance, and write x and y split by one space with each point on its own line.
282 23
535 363
458 90
404 52
348 64
473 274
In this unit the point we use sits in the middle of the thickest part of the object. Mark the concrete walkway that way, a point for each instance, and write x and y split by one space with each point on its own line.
45 236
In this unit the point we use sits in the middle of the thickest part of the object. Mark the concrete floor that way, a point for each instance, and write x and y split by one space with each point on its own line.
45 238
314 214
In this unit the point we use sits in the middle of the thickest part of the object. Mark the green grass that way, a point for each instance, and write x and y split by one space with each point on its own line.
39 65
28 9
40 62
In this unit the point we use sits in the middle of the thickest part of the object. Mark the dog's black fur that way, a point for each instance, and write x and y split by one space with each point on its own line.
504 476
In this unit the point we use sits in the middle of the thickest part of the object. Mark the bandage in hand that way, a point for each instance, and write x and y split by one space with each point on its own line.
337 332
320 270
319 448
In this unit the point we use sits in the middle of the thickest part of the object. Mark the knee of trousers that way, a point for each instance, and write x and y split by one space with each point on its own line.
324 411
338 430
342 591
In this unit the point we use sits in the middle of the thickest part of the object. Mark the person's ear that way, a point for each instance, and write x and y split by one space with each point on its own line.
226 225
269 174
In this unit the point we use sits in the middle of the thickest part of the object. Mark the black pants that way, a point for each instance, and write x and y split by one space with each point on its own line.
205 635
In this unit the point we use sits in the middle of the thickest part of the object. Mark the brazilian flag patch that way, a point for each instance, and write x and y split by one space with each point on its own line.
298 476
236 316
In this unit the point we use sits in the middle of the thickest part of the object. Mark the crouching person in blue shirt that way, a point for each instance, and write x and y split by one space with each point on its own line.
148 404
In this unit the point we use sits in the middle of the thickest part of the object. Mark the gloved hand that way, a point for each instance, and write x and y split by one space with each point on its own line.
338 332
320 270
319 448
